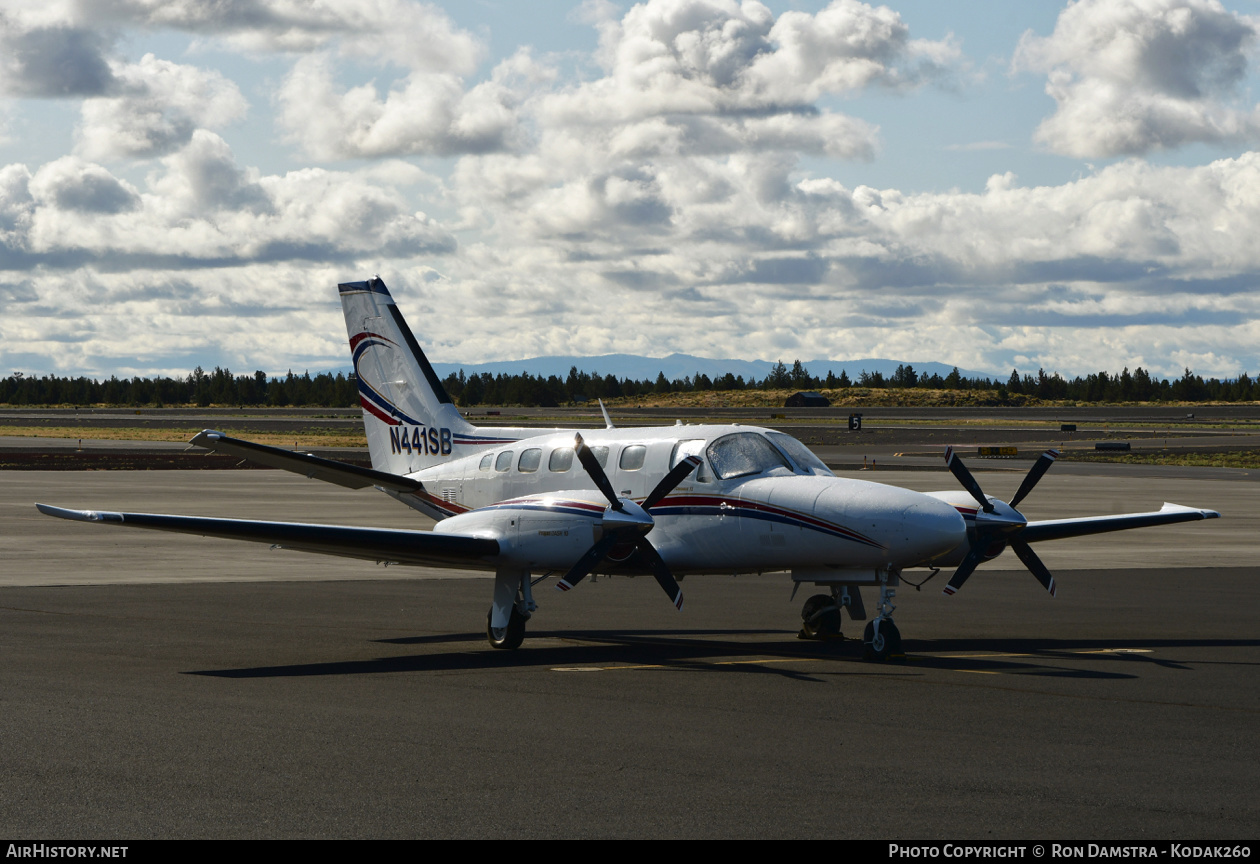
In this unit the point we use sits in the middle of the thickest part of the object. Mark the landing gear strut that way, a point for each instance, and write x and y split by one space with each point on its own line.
513 605
881 640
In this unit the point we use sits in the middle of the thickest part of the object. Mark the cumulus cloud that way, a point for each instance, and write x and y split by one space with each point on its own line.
154 108
73 185
55 61
425 113
1130 76
721 57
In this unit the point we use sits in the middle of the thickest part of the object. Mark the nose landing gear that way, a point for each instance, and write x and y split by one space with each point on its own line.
881 640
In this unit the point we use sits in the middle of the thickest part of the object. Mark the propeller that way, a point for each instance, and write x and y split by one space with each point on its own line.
626 522
999 526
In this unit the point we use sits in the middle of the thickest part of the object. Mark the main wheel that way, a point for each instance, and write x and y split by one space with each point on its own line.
885 646
820 617
508 637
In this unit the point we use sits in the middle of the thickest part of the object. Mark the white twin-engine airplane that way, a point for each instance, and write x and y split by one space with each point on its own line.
661 501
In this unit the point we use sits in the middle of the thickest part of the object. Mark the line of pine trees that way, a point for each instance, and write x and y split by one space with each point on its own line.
221 387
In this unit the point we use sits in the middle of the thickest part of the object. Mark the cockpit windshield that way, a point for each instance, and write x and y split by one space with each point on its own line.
799 453
745 453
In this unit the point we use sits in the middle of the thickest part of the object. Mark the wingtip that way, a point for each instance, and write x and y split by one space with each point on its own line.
74 515
1170 507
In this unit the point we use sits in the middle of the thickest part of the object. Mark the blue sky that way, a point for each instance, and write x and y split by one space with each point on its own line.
989 184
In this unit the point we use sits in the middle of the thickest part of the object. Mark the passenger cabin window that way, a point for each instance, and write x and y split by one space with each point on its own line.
561 459
601 456
744 454
632 457
799 453
504 461
692 447
485 462
529 461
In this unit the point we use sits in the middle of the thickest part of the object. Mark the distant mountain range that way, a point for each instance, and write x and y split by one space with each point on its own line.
678 366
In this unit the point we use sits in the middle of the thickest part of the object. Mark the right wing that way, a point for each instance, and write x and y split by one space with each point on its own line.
421 548
329 470
1057 529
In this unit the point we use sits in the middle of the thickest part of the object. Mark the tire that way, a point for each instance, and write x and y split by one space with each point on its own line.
820 617
509 637
886 647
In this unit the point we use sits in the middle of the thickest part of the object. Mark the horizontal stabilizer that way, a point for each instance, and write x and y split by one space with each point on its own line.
328 470
1057 529
421 548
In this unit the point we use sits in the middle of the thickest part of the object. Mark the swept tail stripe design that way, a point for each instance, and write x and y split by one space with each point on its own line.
354 342
369 397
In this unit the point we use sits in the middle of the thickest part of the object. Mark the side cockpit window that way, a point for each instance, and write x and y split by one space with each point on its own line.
800 454
743 454
504 461
486 462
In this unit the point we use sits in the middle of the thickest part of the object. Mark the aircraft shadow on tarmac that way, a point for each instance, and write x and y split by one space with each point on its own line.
697 650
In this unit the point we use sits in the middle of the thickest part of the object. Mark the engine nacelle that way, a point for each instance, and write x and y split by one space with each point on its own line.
537 532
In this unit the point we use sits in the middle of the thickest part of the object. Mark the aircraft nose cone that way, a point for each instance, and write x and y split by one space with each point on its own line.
912 528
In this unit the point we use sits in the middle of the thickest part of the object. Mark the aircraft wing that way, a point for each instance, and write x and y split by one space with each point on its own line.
422 548
329 470
1057 529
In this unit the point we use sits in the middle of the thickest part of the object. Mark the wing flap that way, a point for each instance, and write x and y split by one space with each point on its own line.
314 467
420 548
1058 529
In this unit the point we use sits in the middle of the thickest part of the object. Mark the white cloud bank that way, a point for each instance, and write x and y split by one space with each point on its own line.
655 202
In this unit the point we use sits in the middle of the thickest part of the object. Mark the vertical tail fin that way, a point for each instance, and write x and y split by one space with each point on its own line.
410 420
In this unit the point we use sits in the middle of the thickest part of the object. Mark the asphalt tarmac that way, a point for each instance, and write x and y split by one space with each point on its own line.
160 685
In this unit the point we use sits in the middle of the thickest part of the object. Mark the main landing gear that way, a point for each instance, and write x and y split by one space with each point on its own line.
513 605
820 618
508 637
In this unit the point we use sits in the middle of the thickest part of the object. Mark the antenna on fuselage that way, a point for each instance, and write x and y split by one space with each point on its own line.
608 424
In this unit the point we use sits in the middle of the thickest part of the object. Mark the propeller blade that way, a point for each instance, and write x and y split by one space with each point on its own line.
1034 565
659 569
959 470
965 569
1039 468
595 471
587 563
675 476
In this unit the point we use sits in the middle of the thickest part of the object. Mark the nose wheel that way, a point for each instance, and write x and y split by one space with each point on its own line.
882 641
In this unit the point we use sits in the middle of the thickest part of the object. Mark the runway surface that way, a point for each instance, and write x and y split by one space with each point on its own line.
166 686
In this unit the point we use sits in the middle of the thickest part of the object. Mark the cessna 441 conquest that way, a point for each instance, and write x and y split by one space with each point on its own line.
648 501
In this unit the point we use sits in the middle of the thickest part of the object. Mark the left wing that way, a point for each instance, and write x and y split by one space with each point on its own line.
328 470
1058 529
423 548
